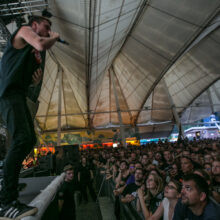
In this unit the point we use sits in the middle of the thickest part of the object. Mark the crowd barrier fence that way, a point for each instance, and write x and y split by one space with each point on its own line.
122 211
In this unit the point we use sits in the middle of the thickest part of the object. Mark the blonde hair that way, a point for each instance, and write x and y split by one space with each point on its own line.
159 186
68 167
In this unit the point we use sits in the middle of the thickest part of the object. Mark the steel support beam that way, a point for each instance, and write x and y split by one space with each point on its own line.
210 100
60 72
190 103
173 108
216 92
4 35
122 133
213 26
89 51
127 111
190 111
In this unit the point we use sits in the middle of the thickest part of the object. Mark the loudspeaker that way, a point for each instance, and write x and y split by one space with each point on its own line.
68 154
71 154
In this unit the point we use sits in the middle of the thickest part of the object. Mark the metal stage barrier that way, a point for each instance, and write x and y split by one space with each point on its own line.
41 192
122 211
45 200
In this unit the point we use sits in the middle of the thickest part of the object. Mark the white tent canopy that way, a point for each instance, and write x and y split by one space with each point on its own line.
131 62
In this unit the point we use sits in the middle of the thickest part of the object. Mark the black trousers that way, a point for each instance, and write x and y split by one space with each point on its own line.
20 126
84 186
68 213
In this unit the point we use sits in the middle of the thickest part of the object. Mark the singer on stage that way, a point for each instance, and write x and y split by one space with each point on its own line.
21 65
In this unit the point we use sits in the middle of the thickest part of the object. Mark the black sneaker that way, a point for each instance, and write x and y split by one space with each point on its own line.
16 210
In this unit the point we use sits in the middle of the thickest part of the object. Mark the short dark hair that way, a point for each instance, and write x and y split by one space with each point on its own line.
203 174
124 161
188 158
177 184
140 170
137 162
38 19
201 184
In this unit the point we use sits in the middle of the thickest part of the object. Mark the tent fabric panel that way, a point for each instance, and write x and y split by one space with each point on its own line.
53 106
74 122
70 104
74 66
74 35
103 105
101 120
70 11
201 69
161 104
215 96
98 35
145 115
201 107
163 33
51 123
114 119
110 10
195 11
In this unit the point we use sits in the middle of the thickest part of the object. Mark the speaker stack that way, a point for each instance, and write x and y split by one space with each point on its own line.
68 154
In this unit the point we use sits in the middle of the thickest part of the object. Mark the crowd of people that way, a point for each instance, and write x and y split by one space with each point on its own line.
166 180
171 180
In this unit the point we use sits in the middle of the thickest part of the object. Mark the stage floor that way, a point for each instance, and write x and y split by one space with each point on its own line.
34 187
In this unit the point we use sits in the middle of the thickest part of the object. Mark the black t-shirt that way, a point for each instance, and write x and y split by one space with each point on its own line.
216 186
91 164
130 188
166 166
182 212
85 175
66 193
155 202
102 160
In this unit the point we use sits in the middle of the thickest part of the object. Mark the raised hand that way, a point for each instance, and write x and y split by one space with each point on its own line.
140 192
54 35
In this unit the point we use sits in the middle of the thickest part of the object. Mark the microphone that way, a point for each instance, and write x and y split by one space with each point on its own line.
62 41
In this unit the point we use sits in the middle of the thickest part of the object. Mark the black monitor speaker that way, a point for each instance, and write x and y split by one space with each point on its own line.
71 154
68 154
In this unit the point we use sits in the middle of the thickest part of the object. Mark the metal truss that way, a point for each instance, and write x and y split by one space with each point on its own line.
13 9
4 35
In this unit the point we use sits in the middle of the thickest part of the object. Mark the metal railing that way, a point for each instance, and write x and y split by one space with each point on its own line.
122 211
44 199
